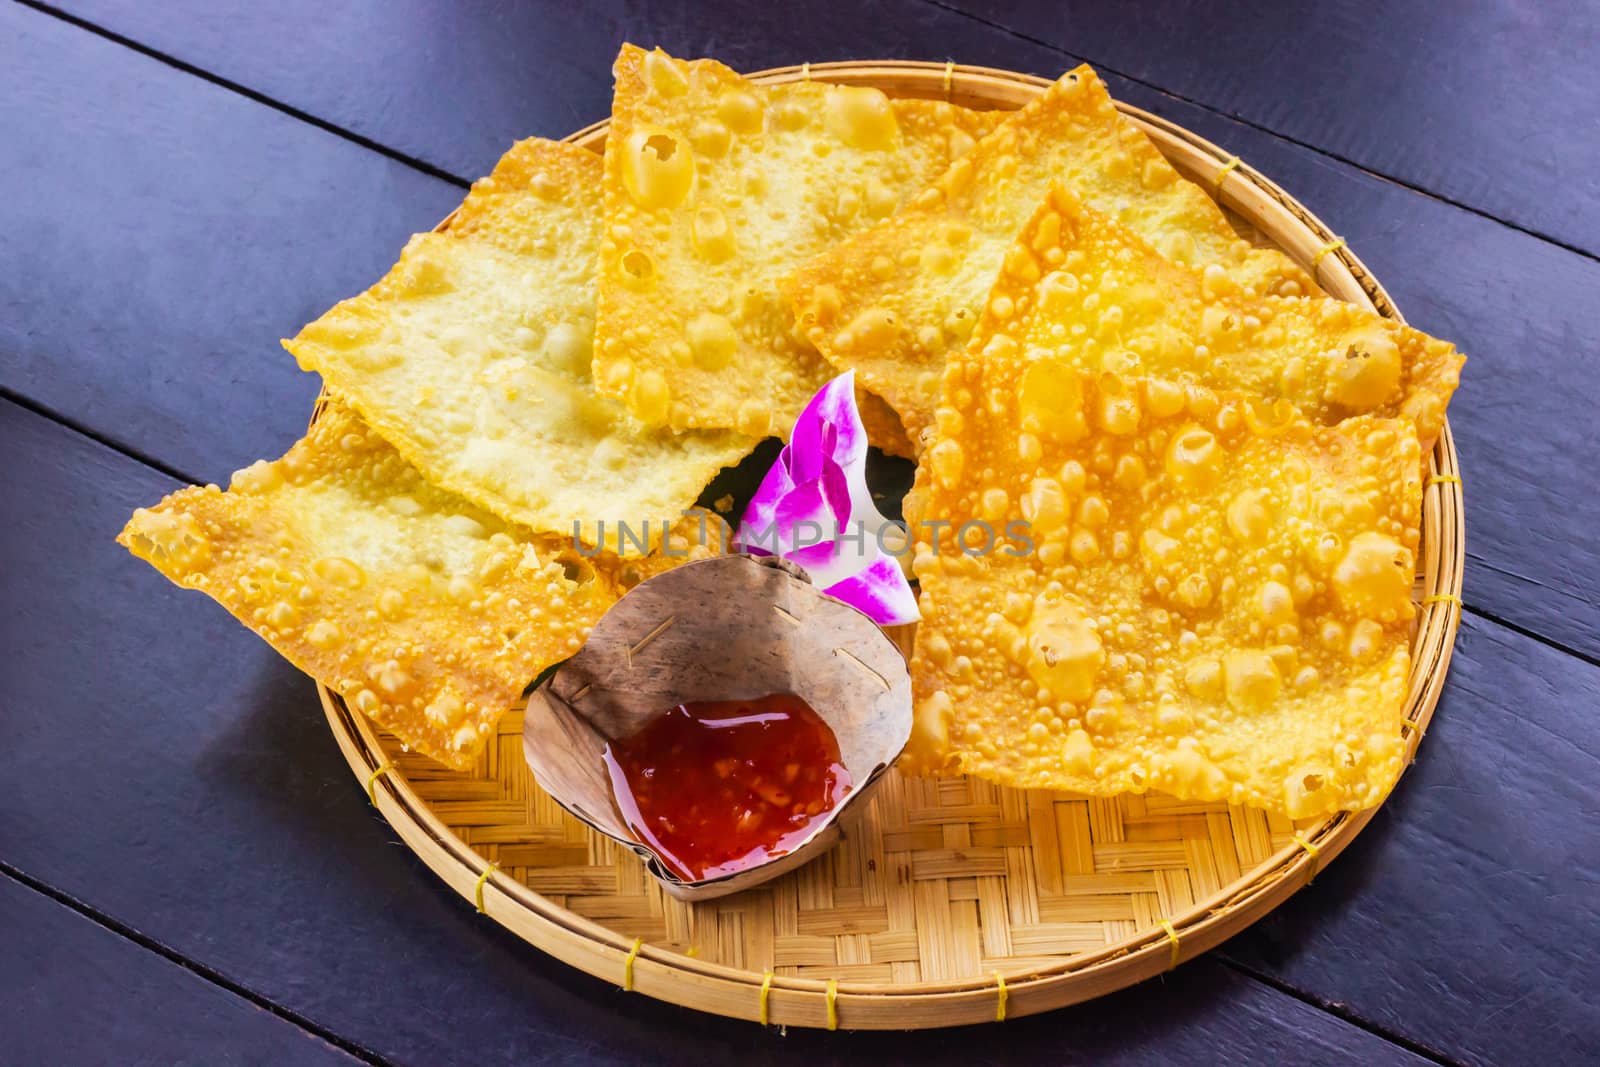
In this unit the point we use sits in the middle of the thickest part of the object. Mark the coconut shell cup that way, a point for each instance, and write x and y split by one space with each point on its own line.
730 628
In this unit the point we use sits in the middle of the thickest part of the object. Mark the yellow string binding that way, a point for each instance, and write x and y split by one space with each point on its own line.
1000 1002
1332 246
372 781
1172 936
949 76
477 890
1227 168
627 965
1444 479
766 995
833 1007
1441 598
805 71
1311 850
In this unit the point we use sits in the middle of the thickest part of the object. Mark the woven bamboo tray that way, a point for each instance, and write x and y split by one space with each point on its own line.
947 902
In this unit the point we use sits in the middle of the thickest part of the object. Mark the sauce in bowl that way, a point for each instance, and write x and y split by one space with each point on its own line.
716 787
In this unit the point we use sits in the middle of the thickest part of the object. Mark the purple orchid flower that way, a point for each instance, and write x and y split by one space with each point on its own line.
813 508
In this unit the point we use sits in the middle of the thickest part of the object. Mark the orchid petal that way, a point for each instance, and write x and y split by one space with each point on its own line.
814 508
863 511
763 508
823 563
804 517
829 426
880 592
836 489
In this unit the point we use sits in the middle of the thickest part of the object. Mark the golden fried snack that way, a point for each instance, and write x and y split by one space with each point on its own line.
893 301
883 426
1185 590
472 357
425 613
715 188
1081 292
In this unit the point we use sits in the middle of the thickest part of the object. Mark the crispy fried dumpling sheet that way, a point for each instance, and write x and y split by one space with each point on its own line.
716 188
894 300
1079 291
1186 590
425 613
472 357
883 425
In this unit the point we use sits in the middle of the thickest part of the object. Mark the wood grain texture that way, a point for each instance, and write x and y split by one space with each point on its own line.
72 991
452 86
1466 914
1488 103
160 234
218 730
166 768
1518 306
1441 96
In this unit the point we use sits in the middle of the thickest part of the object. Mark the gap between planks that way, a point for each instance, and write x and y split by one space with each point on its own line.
127 933
1326 153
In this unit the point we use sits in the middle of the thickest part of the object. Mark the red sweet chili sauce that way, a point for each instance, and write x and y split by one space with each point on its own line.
719 786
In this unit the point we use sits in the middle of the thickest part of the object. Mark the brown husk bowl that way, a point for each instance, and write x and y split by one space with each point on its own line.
729 628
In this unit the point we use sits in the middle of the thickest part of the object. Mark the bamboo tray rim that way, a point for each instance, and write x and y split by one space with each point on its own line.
587 944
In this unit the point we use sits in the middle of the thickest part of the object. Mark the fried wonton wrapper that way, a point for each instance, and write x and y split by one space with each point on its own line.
472 358
716 188
1080 291
1214 605
893 301
883 425
425 613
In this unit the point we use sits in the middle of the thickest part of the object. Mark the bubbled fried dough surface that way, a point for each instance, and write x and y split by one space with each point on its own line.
893 301
472 357
884 428
425 613
1214 605
715 189
1079 291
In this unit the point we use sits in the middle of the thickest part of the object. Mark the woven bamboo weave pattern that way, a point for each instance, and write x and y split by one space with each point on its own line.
949 901
936 879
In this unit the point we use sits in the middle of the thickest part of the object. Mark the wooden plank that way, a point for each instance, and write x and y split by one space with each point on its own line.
1527 307
1520 307
161 234
1465 915
1386 88
452 86
163 766
75 992
1439 96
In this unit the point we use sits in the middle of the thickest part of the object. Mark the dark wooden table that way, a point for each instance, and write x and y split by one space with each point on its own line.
188 871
